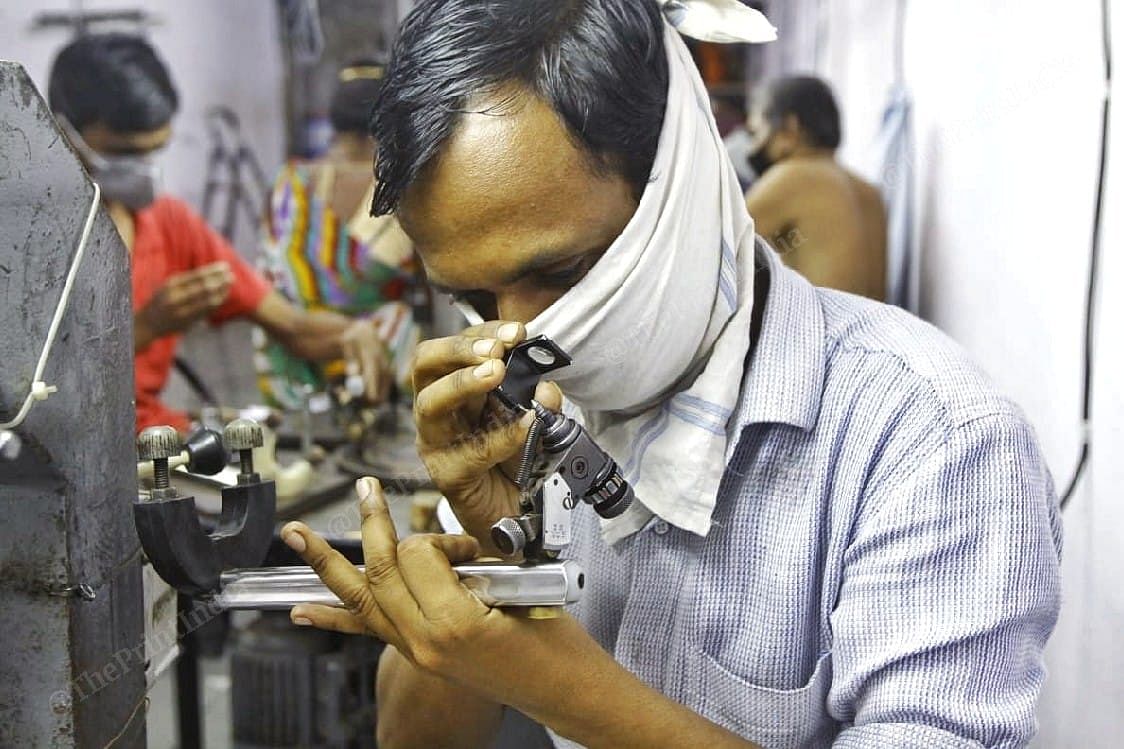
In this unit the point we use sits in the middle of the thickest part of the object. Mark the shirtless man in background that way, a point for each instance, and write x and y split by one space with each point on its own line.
825 222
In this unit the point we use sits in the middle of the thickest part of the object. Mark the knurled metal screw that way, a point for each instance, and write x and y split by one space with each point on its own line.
508 536
242 436
158 444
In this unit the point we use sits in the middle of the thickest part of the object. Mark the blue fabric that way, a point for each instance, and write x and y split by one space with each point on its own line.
882 566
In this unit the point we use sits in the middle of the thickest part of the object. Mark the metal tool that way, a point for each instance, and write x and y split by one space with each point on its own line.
559 466
217 566
495 584
203 453
182 553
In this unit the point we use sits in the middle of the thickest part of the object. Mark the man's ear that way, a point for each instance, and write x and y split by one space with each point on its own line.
791 126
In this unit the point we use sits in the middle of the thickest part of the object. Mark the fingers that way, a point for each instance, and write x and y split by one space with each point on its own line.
438 357
341 577
549 396
510 333
424 562
373 369
366 356
217 271
421 563
192 294
216 278
380 554
329 618
469 459
437 406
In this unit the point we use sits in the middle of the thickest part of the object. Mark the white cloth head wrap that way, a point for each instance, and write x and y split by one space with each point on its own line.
660 327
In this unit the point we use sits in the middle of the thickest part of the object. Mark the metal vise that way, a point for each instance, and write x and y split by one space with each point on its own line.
182 553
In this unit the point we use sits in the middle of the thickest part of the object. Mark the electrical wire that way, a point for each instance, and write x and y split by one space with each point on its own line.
1094 265
40 390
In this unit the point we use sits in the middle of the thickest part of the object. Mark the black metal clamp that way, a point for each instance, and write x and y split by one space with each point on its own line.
181 551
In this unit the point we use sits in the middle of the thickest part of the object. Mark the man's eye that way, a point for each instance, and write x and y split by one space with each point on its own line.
565 277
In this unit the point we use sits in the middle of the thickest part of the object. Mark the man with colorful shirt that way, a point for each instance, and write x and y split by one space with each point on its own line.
115 100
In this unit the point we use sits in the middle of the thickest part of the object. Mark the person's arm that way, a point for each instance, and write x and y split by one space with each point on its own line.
320 335
315 335
180 302
769 201
949 591
551 670
418 709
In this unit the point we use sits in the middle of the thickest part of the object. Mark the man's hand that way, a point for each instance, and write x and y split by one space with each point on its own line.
552 670
452 378
323 335
183 299
367 356
410 597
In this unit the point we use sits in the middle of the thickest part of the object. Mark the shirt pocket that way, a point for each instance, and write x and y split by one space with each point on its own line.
774 718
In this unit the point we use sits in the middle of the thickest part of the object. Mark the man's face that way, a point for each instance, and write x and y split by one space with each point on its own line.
121 163
511 215
770 143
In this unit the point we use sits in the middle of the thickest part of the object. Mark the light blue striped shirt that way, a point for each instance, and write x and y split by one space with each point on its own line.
882 565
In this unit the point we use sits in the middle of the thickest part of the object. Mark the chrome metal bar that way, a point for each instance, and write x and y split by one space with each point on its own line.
495 584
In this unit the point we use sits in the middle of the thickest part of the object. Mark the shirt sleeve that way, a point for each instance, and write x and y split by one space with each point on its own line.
949 592
208 246
152 412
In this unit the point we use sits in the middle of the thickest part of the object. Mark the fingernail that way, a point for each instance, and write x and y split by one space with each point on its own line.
508 332
300 621
365 488
483 347
485 370
293 540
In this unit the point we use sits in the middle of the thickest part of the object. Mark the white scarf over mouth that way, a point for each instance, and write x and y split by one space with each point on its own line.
659 329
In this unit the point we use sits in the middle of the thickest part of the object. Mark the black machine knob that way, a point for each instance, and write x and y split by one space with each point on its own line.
205 452
508 536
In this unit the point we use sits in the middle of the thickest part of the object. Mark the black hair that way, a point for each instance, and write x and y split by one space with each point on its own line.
600 64
812 103
354 97
113 79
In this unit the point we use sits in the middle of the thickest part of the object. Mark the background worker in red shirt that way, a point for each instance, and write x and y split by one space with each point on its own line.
115 99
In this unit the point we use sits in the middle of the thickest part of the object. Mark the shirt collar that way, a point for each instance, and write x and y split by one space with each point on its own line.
783 383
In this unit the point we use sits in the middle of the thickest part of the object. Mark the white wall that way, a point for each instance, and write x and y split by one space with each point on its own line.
1008 98
220 52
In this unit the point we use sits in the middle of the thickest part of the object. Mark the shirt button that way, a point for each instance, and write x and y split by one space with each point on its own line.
661 528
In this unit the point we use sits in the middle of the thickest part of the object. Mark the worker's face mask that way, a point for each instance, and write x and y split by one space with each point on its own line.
132 179
760 159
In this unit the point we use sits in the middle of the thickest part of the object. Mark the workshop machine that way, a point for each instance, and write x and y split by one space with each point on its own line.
72 669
